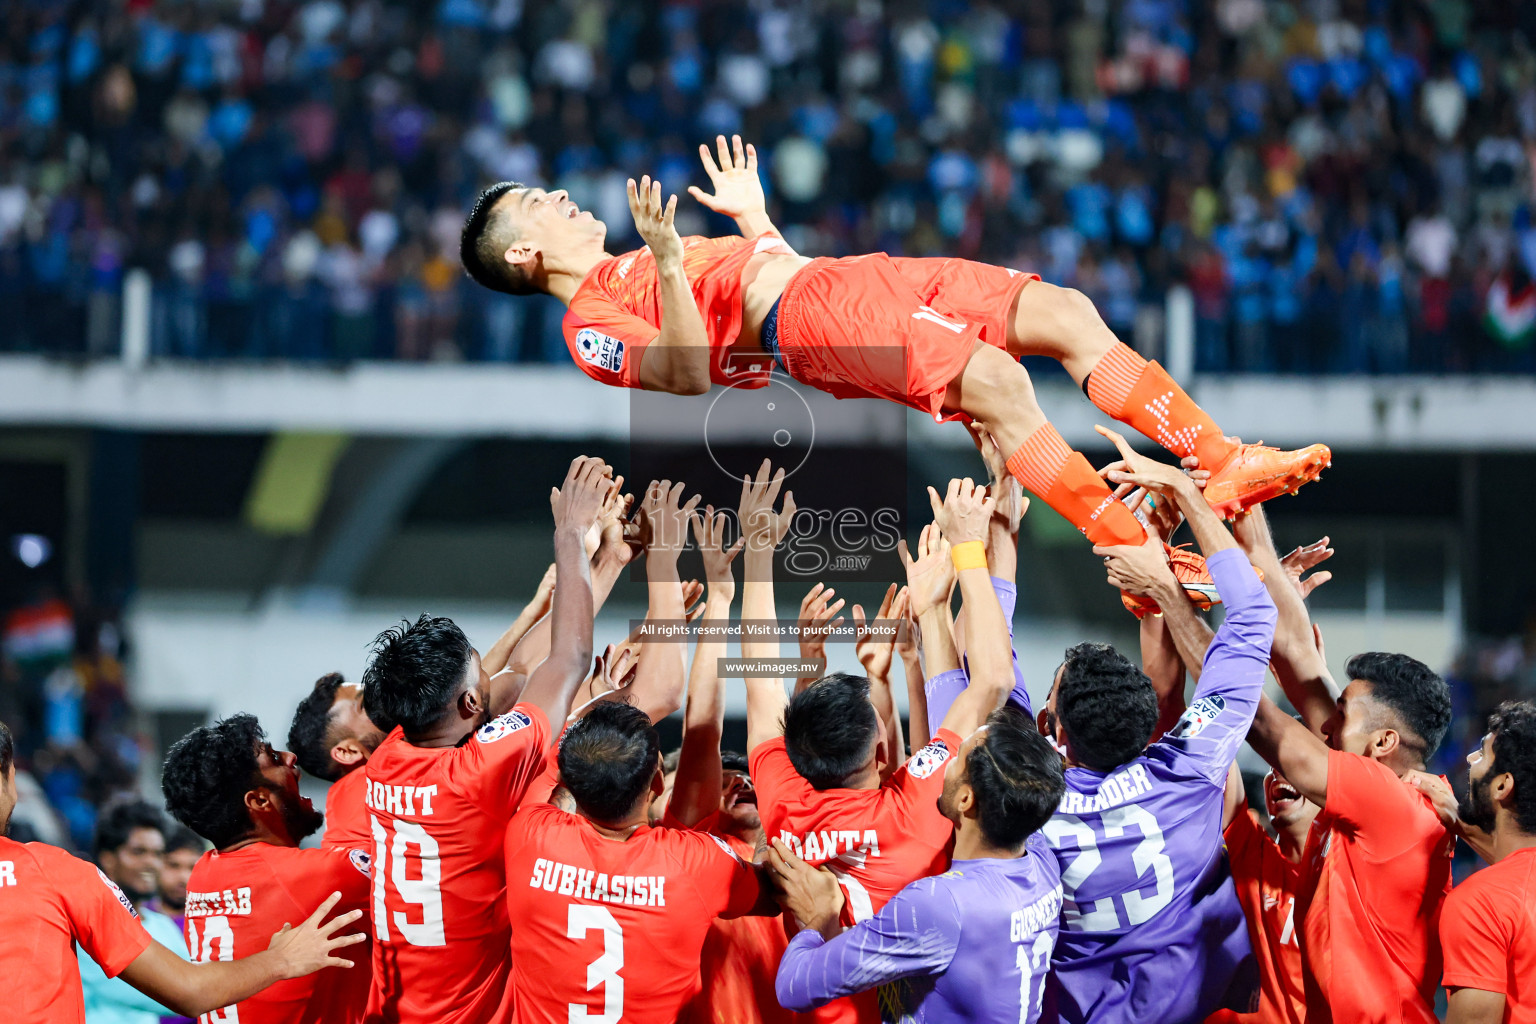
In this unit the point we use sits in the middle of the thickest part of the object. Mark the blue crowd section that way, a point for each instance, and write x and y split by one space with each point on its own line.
1345 187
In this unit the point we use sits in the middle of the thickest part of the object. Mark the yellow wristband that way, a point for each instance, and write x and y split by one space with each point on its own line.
970 554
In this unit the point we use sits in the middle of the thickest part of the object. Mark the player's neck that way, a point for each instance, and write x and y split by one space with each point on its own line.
1508 839
623 830
450 734
1292 839
970 844
261 834
564 276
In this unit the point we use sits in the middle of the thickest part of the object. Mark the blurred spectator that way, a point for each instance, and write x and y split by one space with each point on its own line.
183 848
291 174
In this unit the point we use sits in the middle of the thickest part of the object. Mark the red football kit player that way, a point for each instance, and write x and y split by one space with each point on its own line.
49 901
238 899
346 815
1377 869
940 335
611 914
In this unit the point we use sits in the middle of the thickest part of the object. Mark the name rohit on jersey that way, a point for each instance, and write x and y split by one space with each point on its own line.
401 801
1034 918
569 880
1121 787
830 843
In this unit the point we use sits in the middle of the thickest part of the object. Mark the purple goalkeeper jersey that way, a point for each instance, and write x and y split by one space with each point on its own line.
1151 927
970 945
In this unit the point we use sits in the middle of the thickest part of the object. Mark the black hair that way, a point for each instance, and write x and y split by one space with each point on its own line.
179 837
416 673
1513 726
309 737
7 749
1418 696
207 774
733 761
1016 776
829 728
608 758
1106 706
482 253
120 821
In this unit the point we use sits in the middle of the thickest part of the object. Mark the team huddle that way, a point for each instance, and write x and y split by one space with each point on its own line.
506 841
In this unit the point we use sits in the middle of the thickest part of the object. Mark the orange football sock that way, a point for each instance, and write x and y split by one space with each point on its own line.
1063 479
1142 395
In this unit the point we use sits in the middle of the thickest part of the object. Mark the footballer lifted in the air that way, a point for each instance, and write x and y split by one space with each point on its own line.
940 335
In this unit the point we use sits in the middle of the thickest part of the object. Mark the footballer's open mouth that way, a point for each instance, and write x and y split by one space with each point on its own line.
572 211
1284 796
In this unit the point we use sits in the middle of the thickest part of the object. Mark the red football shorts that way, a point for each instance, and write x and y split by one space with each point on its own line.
894 328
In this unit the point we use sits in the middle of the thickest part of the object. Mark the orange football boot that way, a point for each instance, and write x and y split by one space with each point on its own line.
1189 569
1256 473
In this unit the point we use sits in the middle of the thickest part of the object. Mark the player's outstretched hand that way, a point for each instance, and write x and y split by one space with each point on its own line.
1303 560
818 617
667 516
964 512
577 502
874 649
760 524
811 894
308 948
931 575
738 190
1199 474
1137 469
709 529
653 219
1137 568
1007 493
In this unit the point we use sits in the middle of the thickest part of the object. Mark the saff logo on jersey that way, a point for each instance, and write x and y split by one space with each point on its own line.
1199 715
361 861
124 900
599 349
506 725
928 760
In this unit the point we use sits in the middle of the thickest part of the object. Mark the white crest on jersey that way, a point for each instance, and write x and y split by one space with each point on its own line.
506 725
928 760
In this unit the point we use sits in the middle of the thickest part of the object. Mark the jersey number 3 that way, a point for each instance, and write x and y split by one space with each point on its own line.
603 971
417 879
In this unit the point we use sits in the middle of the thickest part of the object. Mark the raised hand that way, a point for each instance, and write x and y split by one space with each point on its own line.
1164 517
964 512
1140 471
1007 493
738 190
308 948
577 502
1138 568
666 517
709 529
653 219
762 527
874 652
1301 561
930 576
818 617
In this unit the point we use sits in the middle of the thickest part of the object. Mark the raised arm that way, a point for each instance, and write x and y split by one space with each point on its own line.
875 651
962 518
763 529
662 675
191 988
576 505
696 792
908 647
818 616
499 653
930 583
1298 665
738 190
1292 749
677 362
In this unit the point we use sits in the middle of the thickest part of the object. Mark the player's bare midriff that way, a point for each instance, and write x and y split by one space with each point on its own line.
762 282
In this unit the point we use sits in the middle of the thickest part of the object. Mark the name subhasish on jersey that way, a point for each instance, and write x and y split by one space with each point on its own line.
583 883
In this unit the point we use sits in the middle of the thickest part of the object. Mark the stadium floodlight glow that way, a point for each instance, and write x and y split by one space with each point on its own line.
31 549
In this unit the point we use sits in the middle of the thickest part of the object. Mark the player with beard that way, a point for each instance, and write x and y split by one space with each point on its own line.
333 737
712 791
943 336
52 903
1488 926
227 784
442 786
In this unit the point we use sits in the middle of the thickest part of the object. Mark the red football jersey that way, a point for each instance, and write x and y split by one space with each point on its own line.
616 312
1376 870
49 901
875 840
611 930
237 901
438 816
346 817
740 962
1488 931
1266 887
